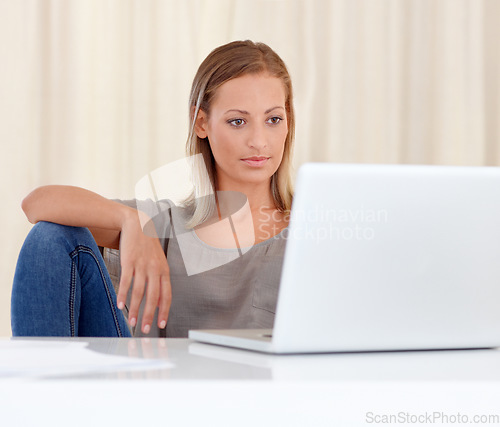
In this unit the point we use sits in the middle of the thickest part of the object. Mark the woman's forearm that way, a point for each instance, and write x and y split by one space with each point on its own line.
80 208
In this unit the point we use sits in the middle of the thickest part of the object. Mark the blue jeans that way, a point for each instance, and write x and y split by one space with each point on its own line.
62 287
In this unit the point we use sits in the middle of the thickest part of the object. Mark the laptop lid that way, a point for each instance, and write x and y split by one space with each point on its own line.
391 257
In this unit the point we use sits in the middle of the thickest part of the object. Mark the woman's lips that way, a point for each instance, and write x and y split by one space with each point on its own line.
255 161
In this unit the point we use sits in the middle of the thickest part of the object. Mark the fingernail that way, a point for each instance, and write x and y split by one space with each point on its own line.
146 329
133 321
163 323
121 305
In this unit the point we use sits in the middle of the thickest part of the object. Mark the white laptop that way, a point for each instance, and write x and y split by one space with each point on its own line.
386 257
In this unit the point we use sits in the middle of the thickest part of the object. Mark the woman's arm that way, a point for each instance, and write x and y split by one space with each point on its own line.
79 208
117 226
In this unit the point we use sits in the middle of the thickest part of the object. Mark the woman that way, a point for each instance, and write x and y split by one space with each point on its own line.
242 125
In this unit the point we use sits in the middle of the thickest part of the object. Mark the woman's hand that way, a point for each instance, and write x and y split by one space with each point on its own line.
142 259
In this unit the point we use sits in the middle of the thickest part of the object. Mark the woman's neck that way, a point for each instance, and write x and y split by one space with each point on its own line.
261 213
243 223
259 196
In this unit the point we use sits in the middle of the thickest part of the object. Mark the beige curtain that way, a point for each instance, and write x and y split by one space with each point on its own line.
94 92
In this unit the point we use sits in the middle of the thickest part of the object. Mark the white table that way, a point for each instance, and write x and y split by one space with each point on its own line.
210 385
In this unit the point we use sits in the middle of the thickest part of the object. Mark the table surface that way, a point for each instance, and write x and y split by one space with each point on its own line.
198 361
215 385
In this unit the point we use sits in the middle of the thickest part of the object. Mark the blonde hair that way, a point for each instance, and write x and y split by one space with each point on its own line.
224 63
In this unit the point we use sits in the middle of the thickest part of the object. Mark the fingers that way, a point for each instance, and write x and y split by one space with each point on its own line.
152 295
124 286
165 301
158 294
136 297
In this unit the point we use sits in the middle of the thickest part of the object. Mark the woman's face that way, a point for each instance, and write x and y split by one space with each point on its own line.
246 128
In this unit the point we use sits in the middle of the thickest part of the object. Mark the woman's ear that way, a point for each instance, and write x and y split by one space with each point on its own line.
200 125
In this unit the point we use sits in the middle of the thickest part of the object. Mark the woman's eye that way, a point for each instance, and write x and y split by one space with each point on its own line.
274 120
236 122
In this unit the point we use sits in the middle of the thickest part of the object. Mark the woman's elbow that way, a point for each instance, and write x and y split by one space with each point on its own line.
28 205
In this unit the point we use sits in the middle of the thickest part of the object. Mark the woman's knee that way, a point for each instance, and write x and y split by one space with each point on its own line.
48 234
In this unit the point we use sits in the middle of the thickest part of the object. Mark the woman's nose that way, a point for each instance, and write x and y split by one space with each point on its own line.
257 137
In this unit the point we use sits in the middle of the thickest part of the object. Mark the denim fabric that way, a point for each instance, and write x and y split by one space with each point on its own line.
62 288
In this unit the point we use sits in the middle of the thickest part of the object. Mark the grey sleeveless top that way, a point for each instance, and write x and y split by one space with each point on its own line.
212 288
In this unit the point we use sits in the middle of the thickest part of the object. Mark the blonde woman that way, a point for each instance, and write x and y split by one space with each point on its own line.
199 266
